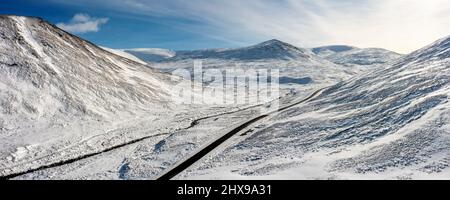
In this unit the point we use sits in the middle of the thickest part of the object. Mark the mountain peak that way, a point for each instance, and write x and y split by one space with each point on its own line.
271 49
271 42
274 43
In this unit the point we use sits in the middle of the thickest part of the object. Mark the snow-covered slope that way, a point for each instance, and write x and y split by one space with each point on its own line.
348 55
393 123
62 73
62 97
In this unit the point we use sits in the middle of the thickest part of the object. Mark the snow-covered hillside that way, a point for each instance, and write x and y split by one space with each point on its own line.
62 97
350 56
393 123
272 49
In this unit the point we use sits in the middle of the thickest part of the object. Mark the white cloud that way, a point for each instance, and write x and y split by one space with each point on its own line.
83 23
399 25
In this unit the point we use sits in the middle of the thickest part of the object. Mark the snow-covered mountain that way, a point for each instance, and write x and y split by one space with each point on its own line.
348 55
62 73
393 123
269 50
272 49
62 97
299 69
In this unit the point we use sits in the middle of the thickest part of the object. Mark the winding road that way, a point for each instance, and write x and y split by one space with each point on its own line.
187 162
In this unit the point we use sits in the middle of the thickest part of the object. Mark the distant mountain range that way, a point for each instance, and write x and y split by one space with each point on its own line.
272 50
298 66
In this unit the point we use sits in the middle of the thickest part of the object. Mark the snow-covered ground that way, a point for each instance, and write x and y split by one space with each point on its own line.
149 158
72 110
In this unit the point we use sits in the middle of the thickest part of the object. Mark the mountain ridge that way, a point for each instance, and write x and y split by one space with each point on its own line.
271 49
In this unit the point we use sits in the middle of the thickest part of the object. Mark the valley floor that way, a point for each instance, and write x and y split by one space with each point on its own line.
145 156
254 154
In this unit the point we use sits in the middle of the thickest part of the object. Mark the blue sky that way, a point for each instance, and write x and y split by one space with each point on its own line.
123 30
399 25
